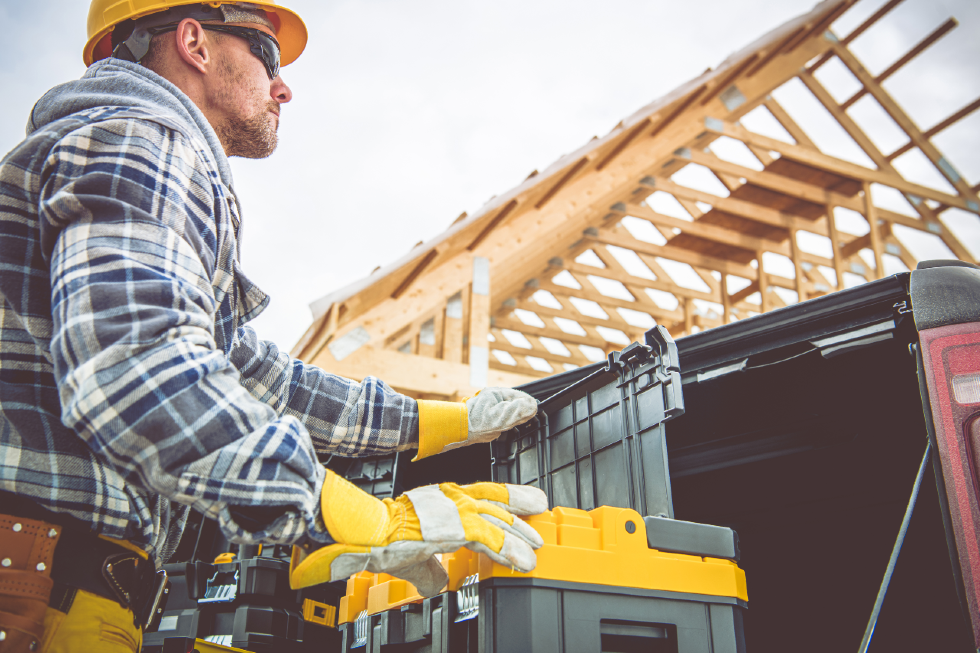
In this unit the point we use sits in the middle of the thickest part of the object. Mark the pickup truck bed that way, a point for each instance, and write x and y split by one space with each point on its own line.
804 430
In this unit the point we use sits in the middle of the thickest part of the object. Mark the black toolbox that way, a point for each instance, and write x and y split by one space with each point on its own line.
600 441
532 615
379 476
245 603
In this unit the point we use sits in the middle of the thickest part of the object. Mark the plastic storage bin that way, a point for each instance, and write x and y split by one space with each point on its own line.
600 441
246 604
598 586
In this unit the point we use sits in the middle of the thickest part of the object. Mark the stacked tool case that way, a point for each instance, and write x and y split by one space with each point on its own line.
245 603
598 586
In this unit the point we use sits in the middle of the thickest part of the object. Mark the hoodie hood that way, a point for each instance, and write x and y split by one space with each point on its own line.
118 83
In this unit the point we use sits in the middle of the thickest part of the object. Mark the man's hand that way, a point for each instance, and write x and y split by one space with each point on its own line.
401 536
444 425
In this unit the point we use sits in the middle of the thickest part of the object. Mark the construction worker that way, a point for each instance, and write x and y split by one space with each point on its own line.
131 389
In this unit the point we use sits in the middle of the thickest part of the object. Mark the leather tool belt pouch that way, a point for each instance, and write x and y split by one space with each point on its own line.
26 556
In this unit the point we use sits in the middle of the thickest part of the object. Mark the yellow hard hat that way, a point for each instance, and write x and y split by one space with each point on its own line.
104 15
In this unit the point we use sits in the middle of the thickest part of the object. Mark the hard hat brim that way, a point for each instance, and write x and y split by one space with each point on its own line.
292 34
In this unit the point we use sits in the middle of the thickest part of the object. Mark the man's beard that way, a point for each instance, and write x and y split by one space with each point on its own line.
253 137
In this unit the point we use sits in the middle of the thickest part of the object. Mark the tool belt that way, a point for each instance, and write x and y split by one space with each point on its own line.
46 557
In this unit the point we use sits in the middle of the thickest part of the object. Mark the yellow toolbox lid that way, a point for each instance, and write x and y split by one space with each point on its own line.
608 546
605 546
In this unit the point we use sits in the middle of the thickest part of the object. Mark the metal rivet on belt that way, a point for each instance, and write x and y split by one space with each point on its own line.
18 528
41 566
6 562
108 567
3 635
52 533
33 645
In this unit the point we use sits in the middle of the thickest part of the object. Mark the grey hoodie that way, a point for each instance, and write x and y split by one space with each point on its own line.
118 83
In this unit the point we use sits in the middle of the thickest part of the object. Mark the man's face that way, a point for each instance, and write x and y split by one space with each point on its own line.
246 103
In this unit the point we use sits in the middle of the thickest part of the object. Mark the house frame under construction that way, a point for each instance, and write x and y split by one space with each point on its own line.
585 256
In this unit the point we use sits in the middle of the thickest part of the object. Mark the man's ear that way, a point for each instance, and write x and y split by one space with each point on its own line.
193 45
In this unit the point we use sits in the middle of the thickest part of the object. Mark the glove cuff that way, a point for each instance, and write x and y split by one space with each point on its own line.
351 515
441 423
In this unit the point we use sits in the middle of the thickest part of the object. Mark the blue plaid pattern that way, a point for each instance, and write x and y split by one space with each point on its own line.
130 388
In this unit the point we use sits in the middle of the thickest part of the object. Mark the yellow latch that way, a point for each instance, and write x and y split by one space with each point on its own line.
320 613
224 557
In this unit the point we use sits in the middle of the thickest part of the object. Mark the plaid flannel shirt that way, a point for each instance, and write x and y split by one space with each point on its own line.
131 388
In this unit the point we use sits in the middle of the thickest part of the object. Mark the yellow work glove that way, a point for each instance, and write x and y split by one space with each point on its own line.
401 536
447 425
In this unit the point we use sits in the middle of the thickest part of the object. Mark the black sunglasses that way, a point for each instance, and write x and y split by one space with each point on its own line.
263 45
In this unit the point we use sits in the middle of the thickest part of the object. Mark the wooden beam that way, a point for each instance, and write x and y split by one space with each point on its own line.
565 179
726 301
790 125
523 370
430 341
919 47
775 50
452 343
835 246
940 126
678 110
479 321
572 314
414 274
904 122
608 304
544 354
770 181
624 142
837 166
861 29
935 227
845 121
822 26
708 231
747 291
729 78
410 372
547 332
801 292
763 283
859 137
871 214
740 208
852 248
676 254
637 286
903 254
318 335
497 220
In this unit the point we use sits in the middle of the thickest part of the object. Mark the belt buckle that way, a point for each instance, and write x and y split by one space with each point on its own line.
153 609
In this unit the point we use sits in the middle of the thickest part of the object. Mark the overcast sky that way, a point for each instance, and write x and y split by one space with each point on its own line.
405 114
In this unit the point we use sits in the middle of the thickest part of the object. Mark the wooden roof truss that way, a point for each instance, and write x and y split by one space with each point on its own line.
579 261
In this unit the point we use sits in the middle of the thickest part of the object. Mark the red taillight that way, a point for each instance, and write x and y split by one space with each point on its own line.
951 358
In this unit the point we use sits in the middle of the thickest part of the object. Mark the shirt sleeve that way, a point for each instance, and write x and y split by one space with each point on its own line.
125 206
342 416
